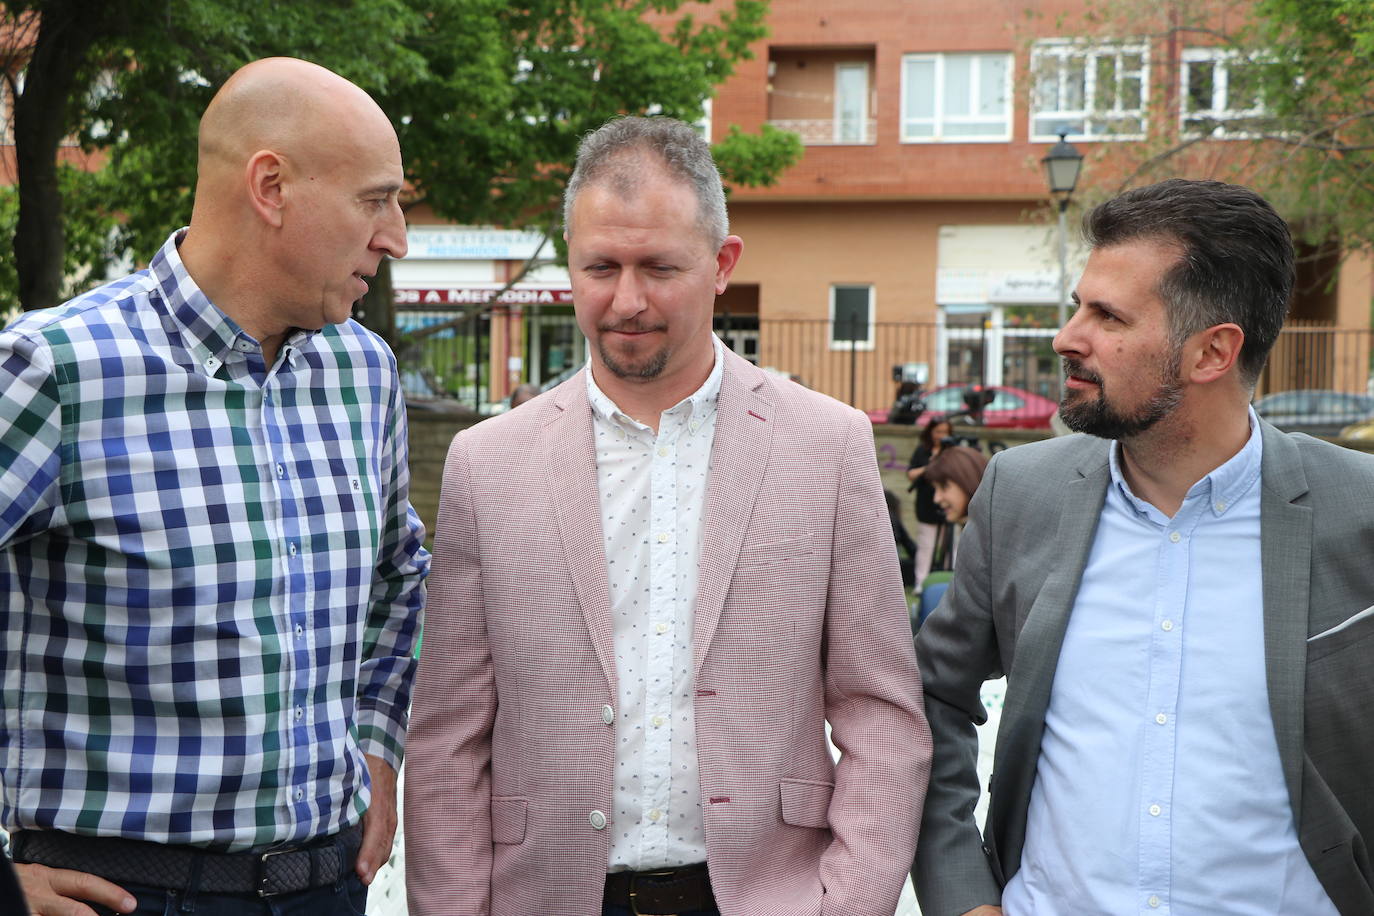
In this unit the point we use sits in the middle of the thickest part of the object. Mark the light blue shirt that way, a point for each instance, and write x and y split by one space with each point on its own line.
1159 787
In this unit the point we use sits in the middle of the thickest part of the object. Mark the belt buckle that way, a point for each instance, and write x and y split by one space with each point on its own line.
262 871
634 903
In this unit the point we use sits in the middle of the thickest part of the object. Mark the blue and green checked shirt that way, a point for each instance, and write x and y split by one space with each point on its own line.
210 572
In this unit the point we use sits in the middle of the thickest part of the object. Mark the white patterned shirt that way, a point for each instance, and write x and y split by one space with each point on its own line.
652 494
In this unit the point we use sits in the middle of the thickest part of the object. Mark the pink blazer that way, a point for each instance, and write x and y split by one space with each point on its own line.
800 617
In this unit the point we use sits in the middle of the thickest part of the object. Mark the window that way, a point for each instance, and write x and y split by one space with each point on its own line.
1223 93
956 98
851 103
1094 92
851 317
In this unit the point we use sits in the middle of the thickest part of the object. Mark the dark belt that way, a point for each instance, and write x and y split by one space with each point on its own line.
263 872
669 890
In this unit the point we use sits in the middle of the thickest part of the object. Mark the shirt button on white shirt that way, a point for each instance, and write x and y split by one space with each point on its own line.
658 721
661 628
1156 811
1167 625
1161 718
1153 901
655 814
1174 536
663 537
608 714
662 452
597 820
1220 506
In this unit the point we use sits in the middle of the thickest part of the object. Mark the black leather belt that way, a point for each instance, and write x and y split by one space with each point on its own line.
263 872
666 891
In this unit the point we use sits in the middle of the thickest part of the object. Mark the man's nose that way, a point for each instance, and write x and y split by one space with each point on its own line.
391 235
628 298
1068 339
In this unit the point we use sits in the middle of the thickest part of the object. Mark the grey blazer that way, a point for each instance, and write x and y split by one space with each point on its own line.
1020 561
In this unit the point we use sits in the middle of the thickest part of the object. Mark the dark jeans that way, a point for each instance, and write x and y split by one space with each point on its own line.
349 898
609 910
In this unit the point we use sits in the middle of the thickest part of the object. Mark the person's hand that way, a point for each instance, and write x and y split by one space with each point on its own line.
379 822
59 892
985 911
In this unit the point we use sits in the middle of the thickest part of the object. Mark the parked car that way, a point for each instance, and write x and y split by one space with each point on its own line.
1315 411
1010 408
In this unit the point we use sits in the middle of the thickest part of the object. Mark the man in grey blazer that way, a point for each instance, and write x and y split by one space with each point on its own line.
1181 603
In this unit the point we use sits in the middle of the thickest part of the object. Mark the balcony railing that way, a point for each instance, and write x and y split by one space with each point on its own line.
829 132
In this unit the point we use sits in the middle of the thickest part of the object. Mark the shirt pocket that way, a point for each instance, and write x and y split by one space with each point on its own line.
775 551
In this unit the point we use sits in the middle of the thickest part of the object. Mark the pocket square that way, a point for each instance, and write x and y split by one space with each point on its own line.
1344 624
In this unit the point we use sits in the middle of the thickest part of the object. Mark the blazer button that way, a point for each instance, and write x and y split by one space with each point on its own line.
597 820
608 714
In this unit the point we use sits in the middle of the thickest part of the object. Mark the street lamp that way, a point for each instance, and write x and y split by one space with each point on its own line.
1062 164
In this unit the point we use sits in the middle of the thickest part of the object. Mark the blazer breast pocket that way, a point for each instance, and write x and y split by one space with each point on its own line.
772 551
508 816
1352 630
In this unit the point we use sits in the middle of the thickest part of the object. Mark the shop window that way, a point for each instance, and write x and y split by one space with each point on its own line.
851 317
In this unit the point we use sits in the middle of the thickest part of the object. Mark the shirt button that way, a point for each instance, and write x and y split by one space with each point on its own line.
694 426
661 628
663 538
1174 536
300 793
1167 625
1156 811
281 471
657 720
655 814
292 548
662 453
597 820
1153 901
299 712
300 631
1161 718
608 714
1220 506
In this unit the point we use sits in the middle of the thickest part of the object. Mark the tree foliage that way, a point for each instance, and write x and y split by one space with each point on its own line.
1299 100
489 98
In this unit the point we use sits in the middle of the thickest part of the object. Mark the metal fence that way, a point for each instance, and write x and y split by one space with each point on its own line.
864 363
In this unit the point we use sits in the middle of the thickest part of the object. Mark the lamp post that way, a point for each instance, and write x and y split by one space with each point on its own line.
1062 164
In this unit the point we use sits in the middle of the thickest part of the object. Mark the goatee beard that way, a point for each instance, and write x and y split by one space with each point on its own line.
1097 417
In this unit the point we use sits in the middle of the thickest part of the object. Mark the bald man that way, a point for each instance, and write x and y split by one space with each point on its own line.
210 572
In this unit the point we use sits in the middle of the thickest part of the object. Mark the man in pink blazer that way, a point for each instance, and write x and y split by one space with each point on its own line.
653 585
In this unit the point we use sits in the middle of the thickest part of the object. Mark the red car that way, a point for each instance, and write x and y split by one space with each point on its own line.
1012 408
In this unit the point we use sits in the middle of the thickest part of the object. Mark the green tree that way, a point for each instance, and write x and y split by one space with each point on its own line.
1288 110
489 99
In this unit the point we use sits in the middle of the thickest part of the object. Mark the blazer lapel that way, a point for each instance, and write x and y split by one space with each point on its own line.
1286 560
569 453
1040 635
739 458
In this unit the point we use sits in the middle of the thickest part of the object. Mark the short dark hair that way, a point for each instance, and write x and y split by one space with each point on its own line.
959 465
928 433
1235 258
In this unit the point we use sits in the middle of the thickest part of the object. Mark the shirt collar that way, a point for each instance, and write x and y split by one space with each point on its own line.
697 404
211 336
1223 487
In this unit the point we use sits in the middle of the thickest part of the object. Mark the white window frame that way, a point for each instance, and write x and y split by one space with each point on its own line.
863 104
865 343
1093 118
1222 60
941 119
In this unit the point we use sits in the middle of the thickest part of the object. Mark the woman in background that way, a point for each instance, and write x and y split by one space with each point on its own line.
928 517
954 475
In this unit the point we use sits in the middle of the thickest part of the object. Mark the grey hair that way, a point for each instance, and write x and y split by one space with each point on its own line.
613 154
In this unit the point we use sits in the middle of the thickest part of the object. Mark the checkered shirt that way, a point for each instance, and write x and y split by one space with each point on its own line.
210 572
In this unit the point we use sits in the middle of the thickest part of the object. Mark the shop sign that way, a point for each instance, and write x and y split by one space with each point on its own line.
476 296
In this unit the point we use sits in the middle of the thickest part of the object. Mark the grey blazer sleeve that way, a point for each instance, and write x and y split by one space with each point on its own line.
957 650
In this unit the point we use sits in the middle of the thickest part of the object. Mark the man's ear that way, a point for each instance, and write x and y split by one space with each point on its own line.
726 259
266 186
1214 352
